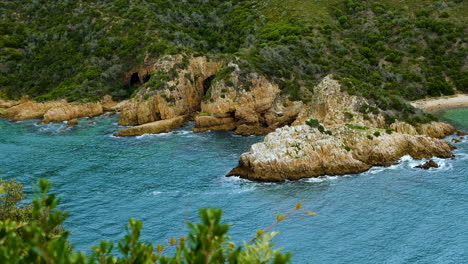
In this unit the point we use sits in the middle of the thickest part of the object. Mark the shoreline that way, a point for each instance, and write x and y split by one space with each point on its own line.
437 104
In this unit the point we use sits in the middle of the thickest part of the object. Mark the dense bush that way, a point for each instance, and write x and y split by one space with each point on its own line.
81 49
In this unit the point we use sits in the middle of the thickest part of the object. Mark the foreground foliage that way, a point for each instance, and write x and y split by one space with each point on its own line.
34 234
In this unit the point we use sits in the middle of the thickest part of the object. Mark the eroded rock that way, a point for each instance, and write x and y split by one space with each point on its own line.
67 111
156 127
292 153
176 88
428 165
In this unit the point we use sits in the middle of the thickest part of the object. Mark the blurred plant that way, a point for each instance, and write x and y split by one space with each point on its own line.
42 239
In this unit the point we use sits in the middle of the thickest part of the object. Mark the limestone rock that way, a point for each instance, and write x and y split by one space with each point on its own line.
178 91
247 130
156 127
66 112
332 106
8 104
205 123
404 128
436 129
254 103
428 165
108 104
292 153
72 123
30 110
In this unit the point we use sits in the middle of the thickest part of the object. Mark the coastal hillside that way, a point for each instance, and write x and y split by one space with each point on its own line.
387 51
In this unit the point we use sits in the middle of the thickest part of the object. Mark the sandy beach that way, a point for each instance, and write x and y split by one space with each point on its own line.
441 103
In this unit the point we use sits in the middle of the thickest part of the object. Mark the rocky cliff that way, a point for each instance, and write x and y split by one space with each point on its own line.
175 88
245 102
292 153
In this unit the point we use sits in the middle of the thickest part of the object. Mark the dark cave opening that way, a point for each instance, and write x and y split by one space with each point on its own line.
207 84
135 79
146 78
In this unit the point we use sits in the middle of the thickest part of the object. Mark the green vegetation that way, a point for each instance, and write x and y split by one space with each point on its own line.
388 51
354 126
312 123
33 233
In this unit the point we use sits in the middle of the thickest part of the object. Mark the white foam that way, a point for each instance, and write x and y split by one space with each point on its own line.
152 135
406 158
324 178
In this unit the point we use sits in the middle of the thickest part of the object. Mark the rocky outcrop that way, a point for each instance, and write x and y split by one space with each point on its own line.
156 127
332 106
436 129
428 165
30 110
205 123
67 111
176 88
72 123
55 111
292 153
8 104
433 129
252 103
108 105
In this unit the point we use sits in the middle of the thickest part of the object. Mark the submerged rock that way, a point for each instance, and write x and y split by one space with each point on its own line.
156 127
428 165
72 123
292 153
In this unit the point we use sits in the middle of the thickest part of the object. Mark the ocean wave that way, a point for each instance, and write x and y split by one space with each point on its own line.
461 156
153 135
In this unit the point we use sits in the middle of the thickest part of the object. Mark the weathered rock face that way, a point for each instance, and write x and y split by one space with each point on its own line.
8 104
332 106
245 102
436 129
292 153
214 123
55 111
108 105
66 112
176 88
30 110
433 129
156 127
428 165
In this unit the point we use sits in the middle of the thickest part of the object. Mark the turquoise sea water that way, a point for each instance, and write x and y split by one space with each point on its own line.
396 214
